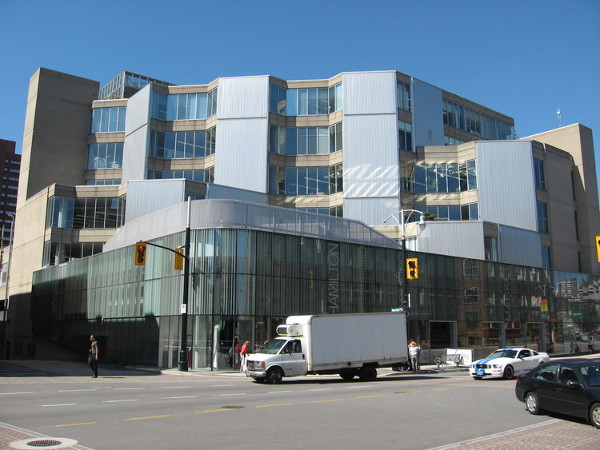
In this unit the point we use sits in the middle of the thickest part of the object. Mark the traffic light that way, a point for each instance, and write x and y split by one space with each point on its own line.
598 247
140 254
178 263
412 268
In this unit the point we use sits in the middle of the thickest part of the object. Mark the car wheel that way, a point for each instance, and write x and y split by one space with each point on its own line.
532 403
595 415
509 372
274 376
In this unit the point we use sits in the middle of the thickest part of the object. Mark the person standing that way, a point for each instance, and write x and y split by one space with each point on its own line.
414 352
93 356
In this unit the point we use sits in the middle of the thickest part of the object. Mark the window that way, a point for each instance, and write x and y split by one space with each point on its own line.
108 120
308 101
404 136
474 122
444 178
542 212
546 258
204 175
491 248
294 181
106 155
194 106
305 140
182 144
540 181
403 96
81 213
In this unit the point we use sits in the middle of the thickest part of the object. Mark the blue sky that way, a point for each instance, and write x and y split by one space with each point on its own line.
524 59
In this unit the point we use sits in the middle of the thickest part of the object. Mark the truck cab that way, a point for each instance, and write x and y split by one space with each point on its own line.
283 356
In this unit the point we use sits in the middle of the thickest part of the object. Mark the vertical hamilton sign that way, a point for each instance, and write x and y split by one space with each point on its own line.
333 277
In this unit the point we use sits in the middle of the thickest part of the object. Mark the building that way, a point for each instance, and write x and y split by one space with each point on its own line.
360 146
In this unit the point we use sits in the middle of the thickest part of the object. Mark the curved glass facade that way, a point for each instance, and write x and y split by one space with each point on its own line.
244 282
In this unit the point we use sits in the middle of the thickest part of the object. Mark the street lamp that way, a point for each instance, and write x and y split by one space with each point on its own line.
402 222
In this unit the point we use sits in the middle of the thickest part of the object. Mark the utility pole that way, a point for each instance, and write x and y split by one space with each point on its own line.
183 364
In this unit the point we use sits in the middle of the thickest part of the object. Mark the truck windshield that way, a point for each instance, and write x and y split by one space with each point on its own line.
274 346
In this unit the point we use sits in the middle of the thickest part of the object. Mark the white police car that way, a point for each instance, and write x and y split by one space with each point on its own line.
507 362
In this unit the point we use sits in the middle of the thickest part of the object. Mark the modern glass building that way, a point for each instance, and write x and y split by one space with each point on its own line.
253 265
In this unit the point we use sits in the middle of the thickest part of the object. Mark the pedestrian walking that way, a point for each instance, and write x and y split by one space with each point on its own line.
591 348
243 352
93 356
414 352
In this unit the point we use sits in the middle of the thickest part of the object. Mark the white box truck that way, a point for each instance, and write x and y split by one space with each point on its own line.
346 344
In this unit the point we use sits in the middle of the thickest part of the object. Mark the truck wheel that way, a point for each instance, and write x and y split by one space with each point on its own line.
274 376
368 373
258 379
347 375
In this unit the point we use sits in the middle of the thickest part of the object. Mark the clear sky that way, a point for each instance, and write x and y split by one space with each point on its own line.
523 58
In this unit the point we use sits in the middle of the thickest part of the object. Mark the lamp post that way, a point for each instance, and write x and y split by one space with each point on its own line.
183 364
402 223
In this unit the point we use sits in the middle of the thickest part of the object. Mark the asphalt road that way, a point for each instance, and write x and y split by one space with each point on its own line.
130 409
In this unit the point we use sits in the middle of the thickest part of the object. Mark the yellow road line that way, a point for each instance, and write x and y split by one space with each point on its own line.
330 400
276 404
446 389
370 396
149 417
74 424
216 410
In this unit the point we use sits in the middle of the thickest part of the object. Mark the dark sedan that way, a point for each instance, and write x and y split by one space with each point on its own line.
570 387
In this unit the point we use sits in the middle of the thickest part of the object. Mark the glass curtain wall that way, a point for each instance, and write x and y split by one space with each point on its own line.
244 282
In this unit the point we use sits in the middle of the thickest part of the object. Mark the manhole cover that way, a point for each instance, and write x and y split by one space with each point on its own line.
49 442
44 443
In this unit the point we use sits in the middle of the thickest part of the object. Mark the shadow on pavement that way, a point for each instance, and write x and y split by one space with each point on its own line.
39 368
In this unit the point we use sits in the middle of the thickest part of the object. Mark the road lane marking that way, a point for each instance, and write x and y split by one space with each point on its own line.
445 389
124 400
230 395
276 404
369 396
150 417
278 392
60 404
75 390
329 400
183 396
357 387
176 387
409 392
15 393
75 424
130 389
215 410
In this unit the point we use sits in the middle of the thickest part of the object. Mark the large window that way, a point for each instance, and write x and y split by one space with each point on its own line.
108 120
308 101
474 122
199 105
106 155
60 252
182 144
294 181
306 140
80 213
452 212
443 178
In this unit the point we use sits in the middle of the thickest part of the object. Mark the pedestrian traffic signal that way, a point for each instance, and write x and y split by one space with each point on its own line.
140 254
178 263
412 268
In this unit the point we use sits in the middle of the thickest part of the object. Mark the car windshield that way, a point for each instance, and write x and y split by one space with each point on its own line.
273 347
503 353
591 374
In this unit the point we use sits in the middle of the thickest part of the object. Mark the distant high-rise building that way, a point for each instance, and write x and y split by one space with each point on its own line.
10 165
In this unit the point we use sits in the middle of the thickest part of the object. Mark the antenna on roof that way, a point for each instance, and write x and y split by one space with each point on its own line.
558 116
